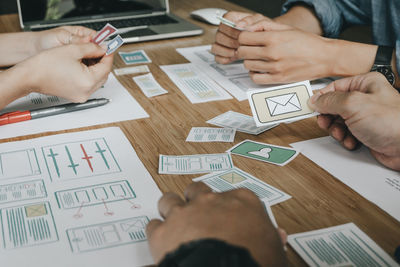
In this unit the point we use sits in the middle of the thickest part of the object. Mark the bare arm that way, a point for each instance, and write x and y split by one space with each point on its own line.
303 18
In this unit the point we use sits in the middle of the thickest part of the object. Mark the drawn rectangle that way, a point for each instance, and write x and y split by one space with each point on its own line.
94 195
22 191
232 69
86 158
21 163
236 178
28 225
107 235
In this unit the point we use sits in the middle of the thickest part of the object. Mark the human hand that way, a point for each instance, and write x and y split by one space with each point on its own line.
364 109
226 38
62 36
276 53
61 72
236 217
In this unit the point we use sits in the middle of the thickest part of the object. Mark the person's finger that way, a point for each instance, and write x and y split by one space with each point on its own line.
223 51
324 121
168 202
336 103
236 16
337 131
226 41
255 38
350 142
250 20
196 189
229 31
88 50
268 78
152 226
225 60
268 25
101 69
79 30
253 53
75 39
283 235
388 161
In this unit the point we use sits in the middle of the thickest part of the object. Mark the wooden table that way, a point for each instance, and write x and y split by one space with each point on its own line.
319 200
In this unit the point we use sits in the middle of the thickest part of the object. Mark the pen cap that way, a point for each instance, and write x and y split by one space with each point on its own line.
13 117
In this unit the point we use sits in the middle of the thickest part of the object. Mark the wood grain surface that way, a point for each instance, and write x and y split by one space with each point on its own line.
319 200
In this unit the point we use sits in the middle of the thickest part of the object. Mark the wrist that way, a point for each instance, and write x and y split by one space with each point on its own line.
13 85
351 58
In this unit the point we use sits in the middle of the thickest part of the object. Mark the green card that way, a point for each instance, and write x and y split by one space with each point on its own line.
277 155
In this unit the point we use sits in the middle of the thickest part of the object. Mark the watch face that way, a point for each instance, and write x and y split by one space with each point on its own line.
387 72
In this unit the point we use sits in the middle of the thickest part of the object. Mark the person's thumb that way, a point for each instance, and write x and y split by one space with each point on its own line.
333 103
88 50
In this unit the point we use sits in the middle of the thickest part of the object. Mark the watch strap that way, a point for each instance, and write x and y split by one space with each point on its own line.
384 55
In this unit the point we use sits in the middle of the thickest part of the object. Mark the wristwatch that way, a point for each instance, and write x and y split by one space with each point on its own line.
383 62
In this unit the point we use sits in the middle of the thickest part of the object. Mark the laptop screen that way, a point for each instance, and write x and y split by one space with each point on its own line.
51 11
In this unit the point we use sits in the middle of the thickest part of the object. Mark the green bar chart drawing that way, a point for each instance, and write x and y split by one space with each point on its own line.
22 191
86 158
94 195
107 235
21 163
28 225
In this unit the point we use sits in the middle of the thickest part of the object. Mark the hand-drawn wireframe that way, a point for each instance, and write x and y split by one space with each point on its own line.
194 163
206 56
107 235
236 178
86 158
22 191
28 225
21 163
94 195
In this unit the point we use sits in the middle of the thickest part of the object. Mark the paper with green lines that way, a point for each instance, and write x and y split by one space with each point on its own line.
343 245
75 199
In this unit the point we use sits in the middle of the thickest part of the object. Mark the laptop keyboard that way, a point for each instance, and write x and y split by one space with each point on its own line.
125 23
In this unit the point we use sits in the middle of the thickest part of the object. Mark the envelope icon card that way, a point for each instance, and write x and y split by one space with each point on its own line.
281 103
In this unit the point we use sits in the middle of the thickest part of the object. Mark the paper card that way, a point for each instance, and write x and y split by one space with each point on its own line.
236 178
132 70
192 164
240 122
194 84
104 33
149 86
114 44
343 245
229 23
281 103
270 214
135 57
207 134
277 155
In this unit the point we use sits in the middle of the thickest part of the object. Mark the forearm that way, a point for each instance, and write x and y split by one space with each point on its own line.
15 47
303 18
13 85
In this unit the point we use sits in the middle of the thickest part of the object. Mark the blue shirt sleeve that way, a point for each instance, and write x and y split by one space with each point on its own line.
335 15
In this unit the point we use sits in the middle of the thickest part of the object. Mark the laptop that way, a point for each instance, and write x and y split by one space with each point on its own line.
136 20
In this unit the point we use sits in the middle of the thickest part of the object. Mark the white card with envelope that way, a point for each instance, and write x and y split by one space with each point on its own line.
285 103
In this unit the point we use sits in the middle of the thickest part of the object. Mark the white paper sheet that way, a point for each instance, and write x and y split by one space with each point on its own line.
78 199
343 245
194 84
149 86
232 77
122 107
357 169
